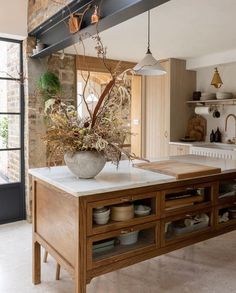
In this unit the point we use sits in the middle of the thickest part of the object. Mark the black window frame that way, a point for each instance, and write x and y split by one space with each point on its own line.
21 147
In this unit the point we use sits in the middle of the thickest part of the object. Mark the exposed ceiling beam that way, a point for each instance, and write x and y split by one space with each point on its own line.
55 32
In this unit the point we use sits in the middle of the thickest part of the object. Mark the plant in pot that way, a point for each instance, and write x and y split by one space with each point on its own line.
88 142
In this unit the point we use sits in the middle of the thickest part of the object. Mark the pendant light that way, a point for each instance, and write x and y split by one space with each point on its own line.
216 80
149 65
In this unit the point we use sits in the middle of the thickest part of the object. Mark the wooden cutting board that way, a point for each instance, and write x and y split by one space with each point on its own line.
178 169
197 128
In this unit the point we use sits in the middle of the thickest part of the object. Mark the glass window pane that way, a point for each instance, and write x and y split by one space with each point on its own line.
9 166
9 59
9 96
9 131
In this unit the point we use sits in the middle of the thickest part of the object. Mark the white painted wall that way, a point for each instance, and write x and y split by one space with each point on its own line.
228 75
13 18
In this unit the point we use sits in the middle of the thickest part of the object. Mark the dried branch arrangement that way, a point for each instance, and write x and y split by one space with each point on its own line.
104 128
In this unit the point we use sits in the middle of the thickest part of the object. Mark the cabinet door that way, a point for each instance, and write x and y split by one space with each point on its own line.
105 249
136 115
158 114
178 150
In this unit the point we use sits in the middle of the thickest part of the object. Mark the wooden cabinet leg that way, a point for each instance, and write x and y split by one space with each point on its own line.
80 286
45 258
36 263
58 272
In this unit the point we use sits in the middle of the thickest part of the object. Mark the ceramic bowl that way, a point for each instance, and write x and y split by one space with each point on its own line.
101 220
232 213
224 95
142 210
129 238
101 212
207 96
101 215
122 212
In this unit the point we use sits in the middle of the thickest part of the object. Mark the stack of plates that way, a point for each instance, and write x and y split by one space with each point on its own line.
224 96
103 246
207 96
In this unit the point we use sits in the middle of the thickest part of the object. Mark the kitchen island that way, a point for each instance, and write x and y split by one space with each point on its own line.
63 209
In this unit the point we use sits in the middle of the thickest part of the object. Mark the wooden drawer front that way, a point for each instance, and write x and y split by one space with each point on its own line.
149 199
173 230
223 216
226 192
184 199
148 239
178 150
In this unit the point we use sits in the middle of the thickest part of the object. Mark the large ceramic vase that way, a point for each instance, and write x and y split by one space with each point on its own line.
85 164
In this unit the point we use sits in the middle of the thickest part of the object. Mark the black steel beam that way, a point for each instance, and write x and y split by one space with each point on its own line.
54 33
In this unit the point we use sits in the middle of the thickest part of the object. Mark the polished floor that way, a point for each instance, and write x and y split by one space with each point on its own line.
207 267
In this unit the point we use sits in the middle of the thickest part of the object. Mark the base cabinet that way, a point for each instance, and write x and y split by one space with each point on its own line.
170 216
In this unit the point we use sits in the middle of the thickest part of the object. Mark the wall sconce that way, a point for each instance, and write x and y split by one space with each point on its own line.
216 80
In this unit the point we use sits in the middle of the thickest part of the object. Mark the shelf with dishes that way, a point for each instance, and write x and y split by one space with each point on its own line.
187 198
114 214
186 225
226 215
119 244
213 98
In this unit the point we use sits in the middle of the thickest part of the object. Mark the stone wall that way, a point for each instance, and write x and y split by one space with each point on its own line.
41 10
35 149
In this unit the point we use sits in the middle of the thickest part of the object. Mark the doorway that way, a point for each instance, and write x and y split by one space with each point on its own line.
12 177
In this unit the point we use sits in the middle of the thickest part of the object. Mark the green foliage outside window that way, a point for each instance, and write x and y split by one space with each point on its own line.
4 130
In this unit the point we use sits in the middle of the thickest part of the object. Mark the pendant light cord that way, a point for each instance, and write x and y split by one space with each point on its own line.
148 48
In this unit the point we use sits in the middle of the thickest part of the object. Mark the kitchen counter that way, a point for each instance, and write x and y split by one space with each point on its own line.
65 225
112 179
194 143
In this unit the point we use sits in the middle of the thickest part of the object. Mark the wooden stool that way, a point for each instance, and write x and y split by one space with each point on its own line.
58 270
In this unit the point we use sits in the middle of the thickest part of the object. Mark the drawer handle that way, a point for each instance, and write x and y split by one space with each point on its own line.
126 199
126 231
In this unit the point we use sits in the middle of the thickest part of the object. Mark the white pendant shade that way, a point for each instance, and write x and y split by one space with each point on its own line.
149 66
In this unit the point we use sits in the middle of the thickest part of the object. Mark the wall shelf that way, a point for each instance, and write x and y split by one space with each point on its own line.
213 102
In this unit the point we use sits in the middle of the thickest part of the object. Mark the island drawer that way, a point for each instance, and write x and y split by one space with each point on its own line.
105 249
225 215
121 212
187 198
181 227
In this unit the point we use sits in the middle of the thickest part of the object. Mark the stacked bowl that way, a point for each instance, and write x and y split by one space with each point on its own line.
101 215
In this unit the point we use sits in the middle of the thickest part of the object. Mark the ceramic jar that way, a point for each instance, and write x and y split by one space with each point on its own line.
122 212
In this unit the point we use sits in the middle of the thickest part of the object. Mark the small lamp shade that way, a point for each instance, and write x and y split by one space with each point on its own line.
216 80
149 66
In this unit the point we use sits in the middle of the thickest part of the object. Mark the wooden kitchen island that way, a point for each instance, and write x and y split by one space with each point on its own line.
63 215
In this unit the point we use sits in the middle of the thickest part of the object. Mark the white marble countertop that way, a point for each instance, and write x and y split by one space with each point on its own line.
194 143
113 179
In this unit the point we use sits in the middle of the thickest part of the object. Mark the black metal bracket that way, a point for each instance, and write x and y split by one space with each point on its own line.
54 32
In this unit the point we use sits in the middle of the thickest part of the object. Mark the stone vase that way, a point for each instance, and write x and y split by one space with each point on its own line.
85 164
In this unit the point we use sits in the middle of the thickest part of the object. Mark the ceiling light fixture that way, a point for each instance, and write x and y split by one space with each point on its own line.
149 65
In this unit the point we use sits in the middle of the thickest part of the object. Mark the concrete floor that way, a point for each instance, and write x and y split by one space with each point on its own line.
207 267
